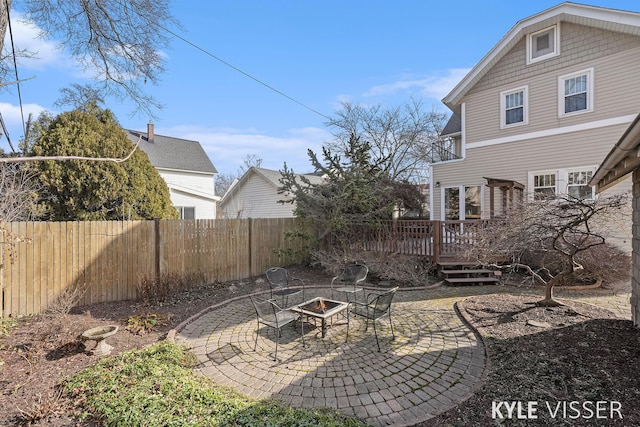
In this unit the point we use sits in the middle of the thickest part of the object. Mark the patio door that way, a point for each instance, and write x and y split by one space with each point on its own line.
461 202
451 203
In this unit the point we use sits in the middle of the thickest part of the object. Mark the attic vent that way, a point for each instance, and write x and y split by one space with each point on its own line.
543 44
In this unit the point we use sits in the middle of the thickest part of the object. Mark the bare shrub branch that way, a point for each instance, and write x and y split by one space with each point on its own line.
552 240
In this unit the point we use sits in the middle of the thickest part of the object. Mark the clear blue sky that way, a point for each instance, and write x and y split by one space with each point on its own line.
317 52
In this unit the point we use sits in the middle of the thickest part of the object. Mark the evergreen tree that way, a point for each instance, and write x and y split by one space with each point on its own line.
86 190
356 191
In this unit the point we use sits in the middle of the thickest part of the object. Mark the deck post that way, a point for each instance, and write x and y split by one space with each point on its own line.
437 240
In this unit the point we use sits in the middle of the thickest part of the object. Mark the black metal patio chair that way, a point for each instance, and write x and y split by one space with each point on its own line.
376 307
350 281
280 282
271 315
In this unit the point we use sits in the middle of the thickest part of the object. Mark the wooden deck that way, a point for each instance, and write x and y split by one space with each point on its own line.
439 240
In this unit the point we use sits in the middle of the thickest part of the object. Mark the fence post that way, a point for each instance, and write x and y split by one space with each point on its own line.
437 241
250 250
2 270
156 246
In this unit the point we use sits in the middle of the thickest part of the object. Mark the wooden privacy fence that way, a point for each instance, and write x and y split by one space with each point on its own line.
110 259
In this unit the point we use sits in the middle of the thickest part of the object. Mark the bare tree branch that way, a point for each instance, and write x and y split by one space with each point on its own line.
93 159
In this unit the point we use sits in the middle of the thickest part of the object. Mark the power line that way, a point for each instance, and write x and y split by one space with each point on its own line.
206 52
6 132
245 73
15 67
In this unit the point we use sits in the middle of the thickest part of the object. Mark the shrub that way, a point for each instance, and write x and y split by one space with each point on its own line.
142 324
406 270
67 299
158 289
603 262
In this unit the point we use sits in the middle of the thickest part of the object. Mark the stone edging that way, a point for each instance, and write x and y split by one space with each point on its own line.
596 285
171 335
468 321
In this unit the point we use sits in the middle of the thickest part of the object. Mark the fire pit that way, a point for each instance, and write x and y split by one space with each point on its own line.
321 308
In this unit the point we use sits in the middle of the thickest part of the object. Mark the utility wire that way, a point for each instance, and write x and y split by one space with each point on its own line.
206 52
6 132
15 66
244 73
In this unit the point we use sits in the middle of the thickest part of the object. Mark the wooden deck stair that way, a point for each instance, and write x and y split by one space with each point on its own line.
465 273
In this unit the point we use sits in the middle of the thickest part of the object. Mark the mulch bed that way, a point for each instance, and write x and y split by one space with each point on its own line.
563 357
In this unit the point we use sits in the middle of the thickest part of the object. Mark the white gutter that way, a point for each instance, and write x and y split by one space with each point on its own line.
627 144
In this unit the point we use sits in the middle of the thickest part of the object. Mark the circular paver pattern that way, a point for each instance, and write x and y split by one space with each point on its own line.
434 362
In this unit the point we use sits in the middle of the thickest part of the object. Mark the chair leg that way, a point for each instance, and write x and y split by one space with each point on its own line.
347 337
275 356
375 332
393 334
255 345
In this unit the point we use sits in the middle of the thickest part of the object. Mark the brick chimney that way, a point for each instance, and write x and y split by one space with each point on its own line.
150 135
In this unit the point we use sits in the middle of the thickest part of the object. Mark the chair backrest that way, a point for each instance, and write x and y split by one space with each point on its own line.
265 309
382 302
354 273
277 276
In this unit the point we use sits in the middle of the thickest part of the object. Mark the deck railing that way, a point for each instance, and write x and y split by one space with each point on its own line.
434 239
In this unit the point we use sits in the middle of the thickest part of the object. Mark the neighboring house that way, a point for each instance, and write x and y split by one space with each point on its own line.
186 169
623 160
539 112
255 195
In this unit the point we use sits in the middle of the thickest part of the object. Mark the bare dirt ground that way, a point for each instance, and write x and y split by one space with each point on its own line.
576 353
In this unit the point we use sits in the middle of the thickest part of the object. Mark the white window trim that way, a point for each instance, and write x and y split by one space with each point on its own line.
532 174
562 179
589 72
525 107
461 200
556 45
182 208
565 181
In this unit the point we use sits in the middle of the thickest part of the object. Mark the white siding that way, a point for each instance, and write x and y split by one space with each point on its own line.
192 190
256 198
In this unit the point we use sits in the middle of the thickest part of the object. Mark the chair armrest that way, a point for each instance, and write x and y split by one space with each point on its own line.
297 279
358 303
374 294
273 301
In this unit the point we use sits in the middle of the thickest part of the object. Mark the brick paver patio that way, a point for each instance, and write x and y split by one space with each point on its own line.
434 363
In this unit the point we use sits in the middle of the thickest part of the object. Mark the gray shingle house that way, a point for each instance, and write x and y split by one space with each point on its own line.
187 170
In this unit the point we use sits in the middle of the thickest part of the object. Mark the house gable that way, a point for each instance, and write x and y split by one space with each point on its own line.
185 167
618 21
547 143
513 68
256 195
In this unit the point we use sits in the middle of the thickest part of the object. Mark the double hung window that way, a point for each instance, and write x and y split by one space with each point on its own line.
575 93
513 107
572 182
544 186
577 184
187 212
